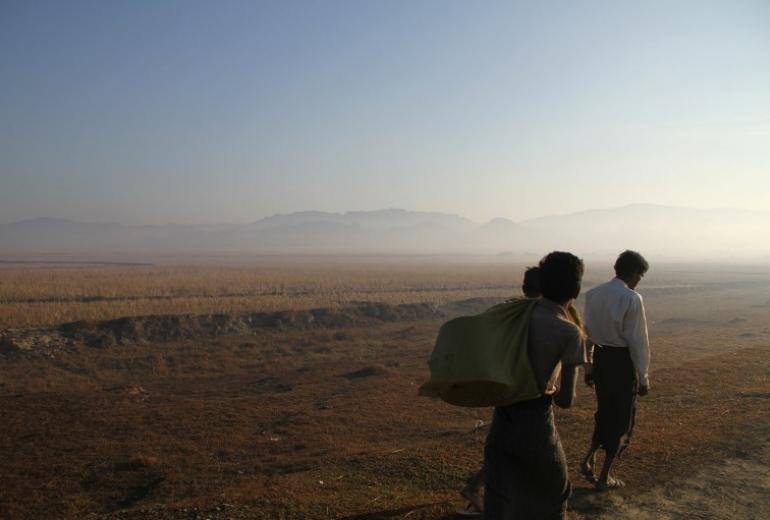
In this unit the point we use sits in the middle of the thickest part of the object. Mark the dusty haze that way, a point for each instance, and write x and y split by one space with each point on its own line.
661 232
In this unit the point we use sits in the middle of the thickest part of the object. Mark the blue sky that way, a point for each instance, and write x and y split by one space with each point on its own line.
192 112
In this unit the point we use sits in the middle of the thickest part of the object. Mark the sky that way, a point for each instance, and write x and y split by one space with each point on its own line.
226 112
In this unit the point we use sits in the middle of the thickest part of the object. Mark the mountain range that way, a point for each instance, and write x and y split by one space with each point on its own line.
672 232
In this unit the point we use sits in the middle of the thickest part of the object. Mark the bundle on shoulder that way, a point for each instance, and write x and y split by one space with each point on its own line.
482 360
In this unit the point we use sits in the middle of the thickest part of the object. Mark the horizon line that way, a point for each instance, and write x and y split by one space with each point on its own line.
347 212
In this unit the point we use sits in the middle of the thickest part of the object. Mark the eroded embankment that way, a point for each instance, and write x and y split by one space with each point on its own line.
161 328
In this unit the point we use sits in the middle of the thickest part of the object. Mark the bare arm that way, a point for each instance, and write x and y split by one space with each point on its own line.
566 394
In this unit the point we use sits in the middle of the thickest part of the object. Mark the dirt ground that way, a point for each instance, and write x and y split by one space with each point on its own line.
284 422
737 486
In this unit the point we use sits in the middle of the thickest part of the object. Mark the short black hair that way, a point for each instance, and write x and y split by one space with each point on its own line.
560 276
630 263
530 286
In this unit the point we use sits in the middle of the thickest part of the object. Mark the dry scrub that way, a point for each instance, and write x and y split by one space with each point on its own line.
50 294
325 422
34 296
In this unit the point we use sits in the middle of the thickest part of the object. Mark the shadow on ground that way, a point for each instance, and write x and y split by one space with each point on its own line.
401 512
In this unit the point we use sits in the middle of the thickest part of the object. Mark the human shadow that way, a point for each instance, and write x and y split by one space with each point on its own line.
387 514
587 500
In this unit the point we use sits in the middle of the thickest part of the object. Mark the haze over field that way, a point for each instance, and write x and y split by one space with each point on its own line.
667 233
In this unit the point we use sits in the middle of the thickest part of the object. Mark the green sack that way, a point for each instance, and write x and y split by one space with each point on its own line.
482 360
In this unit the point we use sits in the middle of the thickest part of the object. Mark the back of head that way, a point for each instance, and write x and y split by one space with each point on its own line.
630 263
531 284
560 276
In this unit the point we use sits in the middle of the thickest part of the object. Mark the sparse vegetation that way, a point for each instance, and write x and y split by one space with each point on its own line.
318 423
33 296
45 295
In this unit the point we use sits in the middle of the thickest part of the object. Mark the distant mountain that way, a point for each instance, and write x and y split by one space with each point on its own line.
389 229
499 233
661 231
377 219
50 234
379 230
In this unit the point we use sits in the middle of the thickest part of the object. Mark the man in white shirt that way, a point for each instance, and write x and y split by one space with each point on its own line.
617 327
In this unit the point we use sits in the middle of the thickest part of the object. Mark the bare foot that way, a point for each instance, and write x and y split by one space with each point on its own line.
610 484
587 470
473 497
470 511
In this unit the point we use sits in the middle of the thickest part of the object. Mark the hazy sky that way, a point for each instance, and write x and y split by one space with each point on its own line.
182 111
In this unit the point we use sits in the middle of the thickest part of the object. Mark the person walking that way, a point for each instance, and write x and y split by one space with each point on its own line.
530 287
524 463
617 330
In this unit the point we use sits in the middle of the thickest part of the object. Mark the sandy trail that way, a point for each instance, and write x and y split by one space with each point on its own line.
736 488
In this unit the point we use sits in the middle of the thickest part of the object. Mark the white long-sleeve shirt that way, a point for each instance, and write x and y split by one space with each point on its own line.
614 317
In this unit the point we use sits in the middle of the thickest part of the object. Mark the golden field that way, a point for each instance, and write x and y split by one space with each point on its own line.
294 419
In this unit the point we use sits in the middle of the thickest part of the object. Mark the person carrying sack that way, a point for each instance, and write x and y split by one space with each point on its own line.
524 462
530 287
510 357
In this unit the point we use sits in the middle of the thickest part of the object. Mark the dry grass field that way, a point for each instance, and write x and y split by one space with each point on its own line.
264 414
44 294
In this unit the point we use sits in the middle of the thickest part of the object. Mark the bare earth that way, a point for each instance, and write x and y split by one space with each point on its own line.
293 417
735 487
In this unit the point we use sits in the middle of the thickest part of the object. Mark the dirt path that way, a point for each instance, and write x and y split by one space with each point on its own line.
735 488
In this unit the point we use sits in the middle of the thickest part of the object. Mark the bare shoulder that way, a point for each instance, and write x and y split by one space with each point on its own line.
567 327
